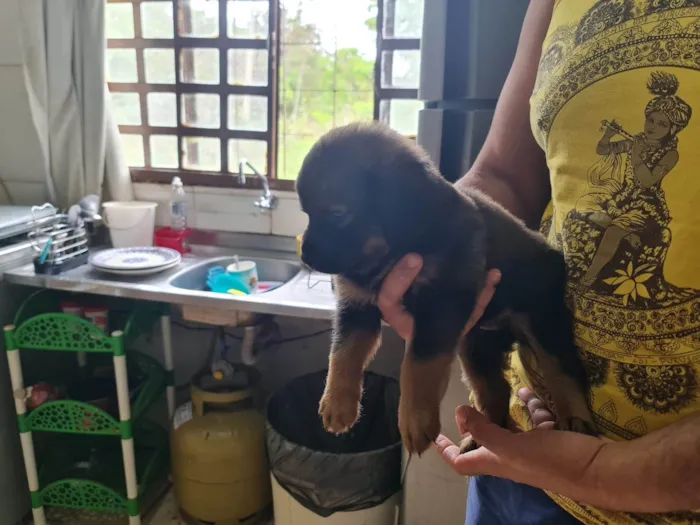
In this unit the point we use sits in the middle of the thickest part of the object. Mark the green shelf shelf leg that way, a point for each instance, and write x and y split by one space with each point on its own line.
127 433
17 380
166 330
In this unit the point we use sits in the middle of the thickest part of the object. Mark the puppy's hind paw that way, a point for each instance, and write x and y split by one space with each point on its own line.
339 411
468 445
419 429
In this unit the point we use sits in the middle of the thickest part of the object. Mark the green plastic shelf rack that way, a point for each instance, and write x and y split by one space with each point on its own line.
67 485
39 326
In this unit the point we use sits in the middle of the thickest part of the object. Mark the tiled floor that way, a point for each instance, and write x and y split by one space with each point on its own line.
165 513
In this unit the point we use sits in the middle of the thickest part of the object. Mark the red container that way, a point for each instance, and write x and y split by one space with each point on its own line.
98 315
169 238
69 307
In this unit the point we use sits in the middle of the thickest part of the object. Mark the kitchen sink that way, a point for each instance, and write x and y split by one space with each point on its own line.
195 278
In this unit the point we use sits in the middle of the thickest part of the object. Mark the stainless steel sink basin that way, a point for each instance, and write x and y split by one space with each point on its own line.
268 270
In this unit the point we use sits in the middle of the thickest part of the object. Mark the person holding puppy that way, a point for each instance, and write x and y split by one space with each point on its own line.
617 207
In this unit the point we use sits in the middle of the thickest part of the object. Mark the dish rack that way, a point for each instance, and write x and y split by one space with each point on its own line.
58 245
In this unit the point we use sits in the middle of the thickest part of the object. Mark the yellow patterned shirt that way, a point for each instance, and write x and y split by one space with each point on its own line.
613 110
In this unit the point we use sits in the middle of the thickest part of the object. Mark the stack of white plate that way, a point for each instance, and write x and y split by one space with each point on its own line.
135 261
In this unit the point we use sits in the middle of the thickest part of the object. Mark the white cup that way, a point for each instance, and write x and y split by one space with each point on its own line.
247 272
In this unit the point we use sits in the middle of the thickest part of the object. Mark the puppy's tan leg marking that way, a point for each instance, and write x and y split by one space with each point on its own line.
489 389
423 385
440 323
340 404
356 337
568 396
491 397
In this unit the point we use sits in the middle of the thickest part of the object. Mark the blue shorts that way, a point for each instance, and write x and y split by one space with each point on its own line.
497 501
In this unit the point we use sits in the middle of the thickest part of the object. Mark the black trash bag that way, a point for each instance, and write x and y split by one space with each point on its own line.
327 473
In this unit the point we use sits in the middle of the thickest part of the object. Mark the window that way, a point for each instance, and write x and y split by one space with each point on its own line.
398 66
198 86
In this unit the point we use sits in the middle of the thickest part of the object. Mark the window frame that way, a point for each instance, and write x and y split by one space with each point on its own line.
223 43
384 68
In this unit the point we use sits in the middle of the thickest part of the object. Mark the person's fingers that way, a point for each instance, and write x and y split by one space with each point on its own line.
484 432
484 298
460 420
541 417
539 413
461 423
400 320
525 394
448 450
535 404
546 424
399 280
394 287
479 461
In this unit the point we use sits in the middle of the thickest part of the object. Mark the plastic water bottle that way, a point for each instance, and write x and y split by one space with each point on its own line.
178 205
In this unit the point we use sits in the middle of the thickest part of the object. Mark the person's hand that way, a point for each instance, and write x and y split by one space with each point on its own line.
540 415
399 280
538 457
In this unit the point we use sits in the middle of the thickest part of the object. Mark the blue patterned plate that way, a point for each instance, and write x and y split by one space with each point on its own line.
125 259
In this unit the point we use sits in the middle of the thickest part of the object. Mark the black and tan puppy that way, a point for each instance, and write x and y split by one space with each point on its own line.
372 196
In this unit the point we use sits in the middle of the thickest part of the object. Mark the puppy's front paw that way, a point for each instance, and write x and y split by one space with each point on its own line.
467 445
576 424
419 429
339 410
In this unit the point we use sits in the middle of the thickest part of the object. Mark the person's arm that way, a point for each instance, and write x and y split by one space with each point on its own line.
659 472
511 168
656 473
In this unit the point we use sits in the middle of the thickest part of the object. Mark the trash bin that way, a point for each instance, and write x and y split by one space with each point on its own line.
318 477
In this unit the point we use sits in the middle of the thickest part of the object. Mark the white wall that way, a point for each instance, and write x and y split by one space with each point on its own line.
229 209
434 494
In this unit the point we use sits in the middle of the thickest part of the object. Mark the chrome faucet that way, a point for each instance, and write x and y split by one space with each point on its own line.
267 200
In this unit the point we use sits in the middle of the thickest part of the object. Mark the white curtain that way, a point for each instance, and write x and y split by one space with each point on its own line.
63 44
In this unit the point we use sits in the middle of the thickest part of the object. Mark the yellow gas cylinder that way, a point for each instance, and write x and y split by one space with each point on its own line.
220 468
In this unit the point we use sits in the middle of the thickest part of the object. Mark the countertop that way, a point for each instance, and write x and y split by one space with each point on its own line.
306 295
